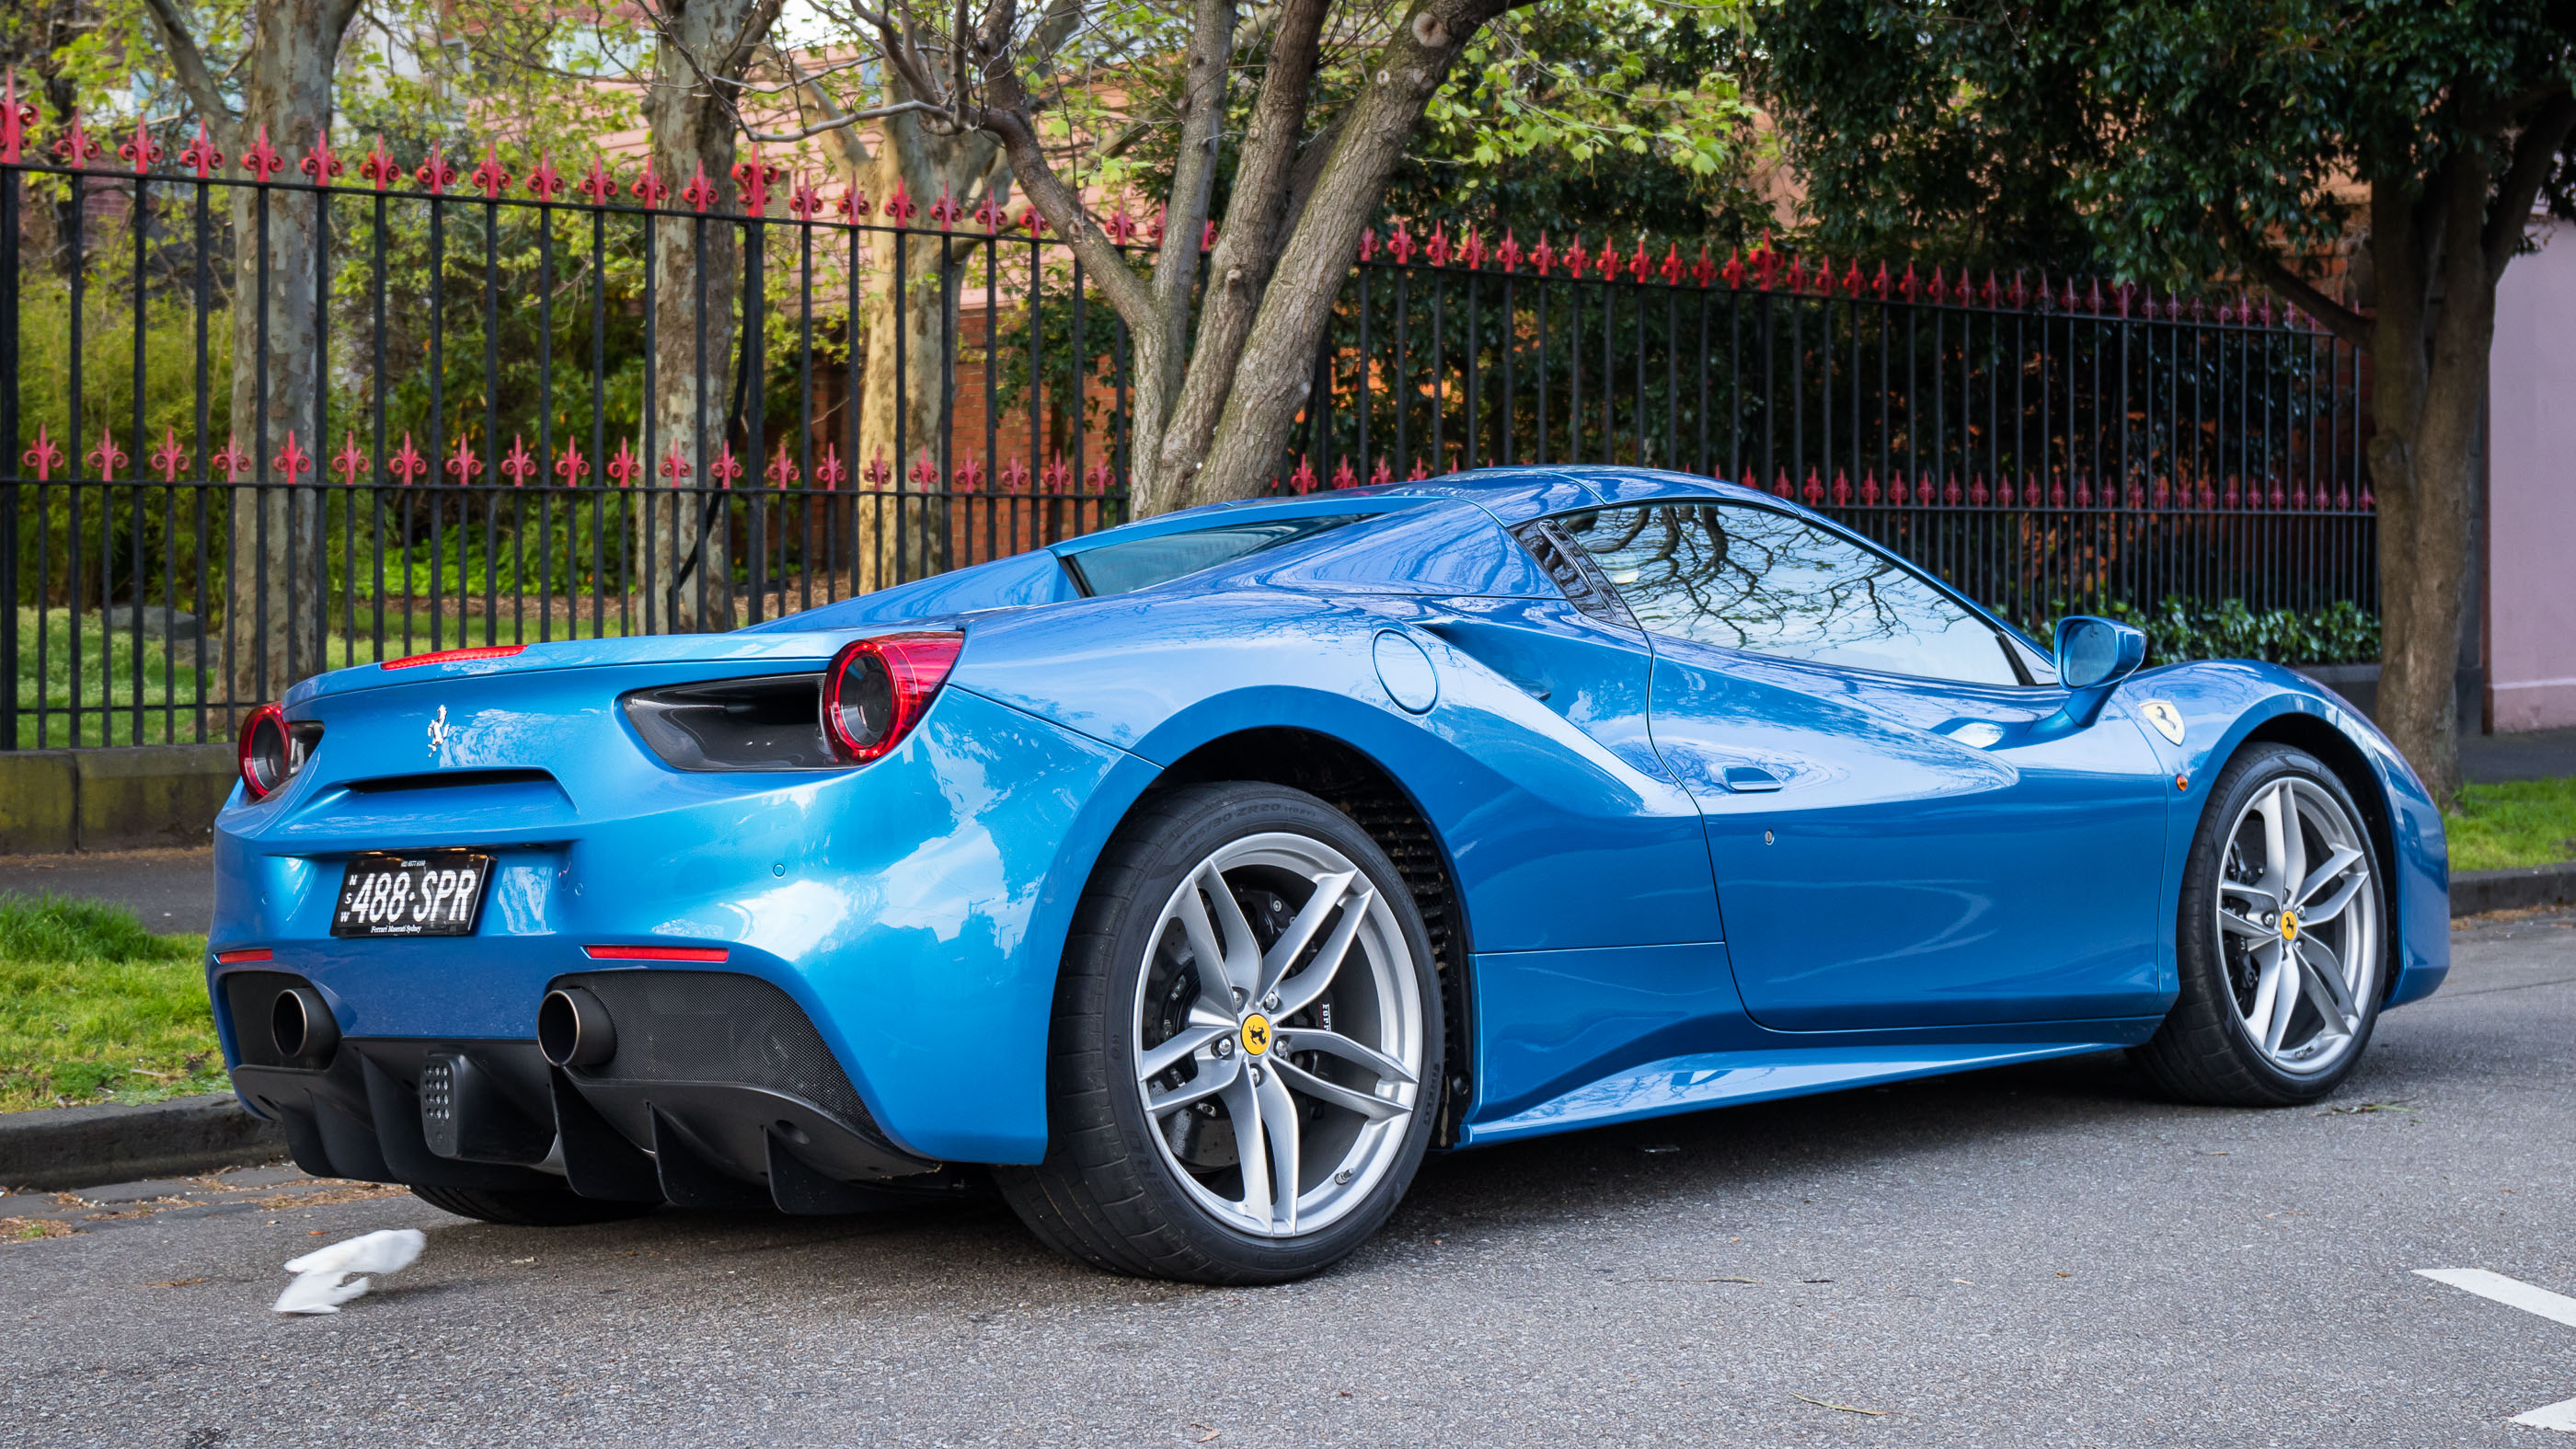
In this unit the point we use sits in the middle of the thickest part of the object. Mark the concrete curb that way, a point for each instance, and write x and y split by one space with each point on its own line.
68 1147
2475 892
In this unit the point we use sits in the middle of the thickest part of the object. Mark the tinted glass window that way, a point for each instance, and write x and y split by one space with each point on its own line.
1749 578
1120 568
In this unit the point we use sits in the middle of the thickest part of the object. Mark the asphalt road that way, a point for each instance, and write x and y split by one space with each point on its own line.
2037 1256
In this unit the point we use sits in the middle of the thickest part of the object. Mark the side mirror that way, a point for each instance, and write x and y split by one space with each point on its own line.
2095 653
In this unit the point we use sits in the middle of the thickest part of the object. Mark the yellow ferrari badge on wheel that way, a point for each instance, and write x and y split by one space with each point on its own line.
1256 1034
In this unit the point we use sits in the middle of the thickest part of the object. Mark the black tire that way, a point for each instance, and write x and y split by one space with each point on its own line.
2202 1052
1106 1194
538 1209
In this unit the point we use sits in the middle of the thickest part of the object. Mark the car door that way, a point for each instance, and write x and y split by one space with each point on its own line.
1900 832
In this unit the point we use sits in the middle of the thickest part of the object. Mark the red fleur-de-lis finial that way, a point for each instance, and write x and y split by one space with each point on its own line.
436 173
830 471
924 471
516 465
14 119
726 468
597 184
292 460
320 162
1399 244
1542 256
464 465
649 188
899 207
1153 238
1383 473
782 469
407 463
674 467
1733 272
545 181
1703 271
968 476
45 456
1343 477
1419 472
752 177
1842 488
1207 236
1033 223
1869 489
1509 255
990 217
1368 243
1814 492
1303 480
491 175
877 473
1639 262
1437 253
1673 265
700 193
803 201
348 461
623 467
1120 226
261 160
1575 257
107 457
945 212
1015 476
169 457
852 205
200 154
1472 250
77 147
230 460
572 467
142 151
380 168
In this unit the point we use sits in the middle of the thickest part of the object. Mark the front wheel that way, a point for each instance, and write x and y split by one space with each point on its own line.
2280 941
1246 1052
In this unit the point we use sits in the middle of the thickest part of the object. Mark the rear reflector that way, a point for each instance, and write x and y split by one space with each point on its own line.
454 656
249 953
654 953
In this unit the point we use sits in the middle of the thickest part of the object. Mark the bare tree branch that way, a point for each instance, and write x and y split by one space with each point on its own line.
2266 264
190 63
2535 157
842 121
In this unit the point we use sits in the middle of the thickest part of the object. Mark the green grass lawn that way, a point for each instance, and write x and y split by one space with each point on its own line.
2523 822
94 1008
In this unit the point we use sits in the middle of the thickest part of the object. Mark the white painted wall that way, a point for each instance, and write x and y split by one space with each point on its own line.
2531 489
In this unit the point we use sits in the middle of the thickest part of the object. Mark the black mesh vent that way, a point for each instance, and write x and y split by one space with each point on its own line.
248 997
716 1026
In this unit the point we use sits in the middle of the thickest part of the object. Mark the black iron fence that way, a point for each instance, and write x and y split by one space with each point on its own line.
259 419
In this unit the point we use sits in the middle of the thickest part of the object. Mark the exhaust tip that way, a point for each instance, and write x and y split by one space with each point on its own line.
573 1028
301 1026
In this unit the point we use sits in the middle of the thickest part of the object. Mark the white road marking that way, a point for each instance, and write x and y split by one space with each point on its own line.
2556 1307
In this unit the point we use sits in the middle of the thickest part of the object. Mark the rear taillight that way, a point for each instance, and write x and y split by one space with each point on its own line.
454 656
877 690
273 748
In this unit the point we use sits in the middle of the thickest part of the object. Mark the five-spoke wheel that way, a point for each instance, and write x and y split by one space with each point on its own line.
2280 942
1247 1051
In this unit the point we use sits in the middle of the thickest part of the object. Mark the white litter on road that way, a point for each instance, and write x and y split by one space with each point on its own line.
2556 1307
321 1277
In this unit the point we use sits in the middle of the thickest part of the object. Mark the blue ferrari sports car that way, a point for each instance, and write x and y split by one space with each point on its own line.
1188 881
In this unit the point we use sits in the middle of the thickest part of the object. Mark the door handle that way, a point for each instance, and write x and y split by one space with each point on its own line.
1750 779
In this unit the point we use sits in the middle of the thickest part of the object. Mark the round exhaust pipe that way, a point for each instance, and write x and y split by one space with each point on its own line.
301 1025
573 1028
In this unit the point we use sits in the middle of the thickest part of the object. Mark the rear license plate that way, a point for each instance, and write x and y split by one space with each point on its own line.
431 893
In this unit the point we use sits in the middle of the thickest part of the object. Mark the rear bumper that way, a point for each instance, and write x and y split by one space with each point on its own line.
721 1095
912 912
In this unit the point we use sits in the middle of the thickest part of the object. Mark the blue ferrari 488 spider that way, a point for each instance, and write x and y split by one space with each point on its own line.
1190 880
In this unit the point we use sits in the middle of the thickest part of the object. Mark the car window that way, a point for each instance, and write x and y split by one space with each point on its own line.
1750 578
1119 568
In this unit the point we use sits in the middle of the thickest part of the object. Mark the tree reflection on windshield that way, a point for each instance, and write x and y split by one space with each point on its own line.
1749 578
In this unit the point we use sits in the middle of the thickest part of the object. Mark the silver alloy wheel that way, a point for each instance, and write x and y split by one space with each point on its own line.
2298 925
1279 1074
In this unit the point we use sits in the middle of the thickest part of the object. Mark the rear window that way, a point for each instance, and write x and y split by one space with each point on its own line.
1120 568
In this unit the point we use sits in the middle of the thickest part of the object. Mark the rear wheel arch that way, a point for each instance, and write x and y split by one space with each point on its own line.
1356 784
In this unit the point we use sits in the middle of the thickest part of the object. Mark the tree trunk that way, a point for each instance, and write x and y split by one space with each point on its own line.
275 576
683 538
2429 346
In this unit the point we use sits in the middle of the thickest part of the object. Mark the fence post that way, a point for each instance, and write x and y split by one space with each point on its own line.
9 277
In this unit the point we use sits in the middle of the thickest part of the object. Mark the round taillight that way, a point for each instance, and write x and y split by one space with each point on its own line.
877 689
273 749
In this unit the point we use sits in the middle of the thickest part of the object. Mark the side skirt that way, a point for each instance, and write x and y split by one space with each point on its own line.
1724 1079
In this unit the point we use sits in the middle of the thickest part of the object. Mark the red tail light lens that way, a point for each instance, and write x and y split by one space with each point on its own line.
273 748
454 656
877 690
